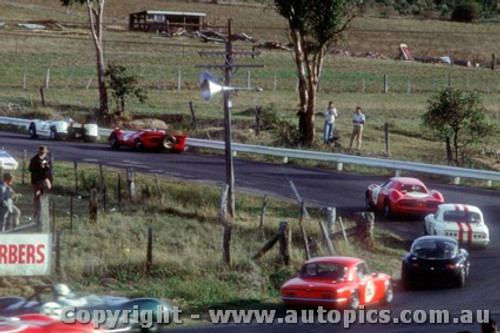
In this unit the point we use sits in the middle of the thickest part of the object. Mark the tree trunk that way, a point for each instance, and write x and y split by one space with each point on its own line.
455 143
96 27
299 62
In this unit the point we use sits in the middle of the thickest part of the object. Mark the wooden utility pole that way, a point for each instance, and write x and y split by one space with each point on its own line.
228 69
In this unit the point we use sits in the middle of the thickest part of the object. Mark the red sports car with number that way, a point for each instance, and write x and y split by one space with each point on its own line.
333 282
37 323
402 196
156 140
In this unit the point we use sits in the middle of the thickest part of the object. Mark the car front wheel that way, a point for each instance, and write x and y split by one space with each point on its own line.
389 293
388 210
354 300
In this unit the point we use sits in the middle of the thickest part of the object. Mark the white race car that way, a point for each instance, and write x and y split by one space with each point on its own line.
463 222
62 130
7 162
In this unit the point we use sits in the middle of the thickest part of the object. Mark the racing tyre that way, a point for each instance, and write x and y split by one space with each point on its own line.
389 293
169 142
354 300
460 282
368 204
387 210
32 131
113 141
139 146
53 134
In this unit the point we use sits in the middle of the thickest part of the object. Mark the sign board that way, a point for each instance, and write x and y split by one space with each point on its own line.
25 254
406 51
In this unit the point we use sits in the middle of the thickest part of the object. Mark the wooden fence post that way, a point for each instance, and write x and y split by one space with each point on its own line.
75 165
71 213
149 251
226 244
326 237
386 83
493 61
285 240
269 244
222 214
93 205
303 229
131 184
42 96
194 120
43 214
58 253
179 79
386 135
47 78
331 214
343 230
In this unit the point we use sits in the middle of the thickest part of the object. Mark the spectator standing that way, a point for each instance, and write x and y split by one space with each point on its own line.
9 213
358 122
41 175
330 114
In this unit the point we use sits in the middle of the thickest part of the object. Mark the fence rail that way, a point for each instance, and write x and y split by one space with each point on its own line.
339 159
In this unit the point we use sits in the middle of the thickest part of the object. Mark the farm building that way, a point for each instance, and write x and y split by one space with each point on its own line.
159 20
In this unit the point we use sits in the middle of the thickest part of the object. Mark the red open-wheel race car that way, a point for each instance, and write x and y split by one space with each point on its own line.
153 140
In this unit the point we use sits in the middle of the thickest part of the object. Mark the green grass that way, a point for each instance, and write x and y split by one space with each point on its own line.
188 271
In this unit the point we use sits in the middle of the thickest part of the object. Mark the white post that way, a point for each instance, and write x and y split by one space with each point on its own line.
340 166
456 180
285 159
398 173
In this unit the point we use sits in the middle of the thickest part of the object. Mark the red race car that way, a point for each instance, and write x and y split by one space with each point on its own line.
333 282
156 140
37 323
402 196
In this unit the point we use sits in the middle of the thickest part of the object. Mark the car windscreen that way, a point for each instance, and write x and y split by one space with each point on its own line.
4 154
323 271
412 188
461 216
434 249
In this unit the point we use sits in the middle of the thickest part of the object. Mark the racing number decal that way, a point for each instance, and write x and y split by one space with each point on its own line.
369 291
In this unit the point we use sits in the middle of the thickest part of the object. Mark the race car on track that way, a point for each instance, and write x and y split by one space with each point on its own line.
333 282
400 196
435 260
154 140
7 162
62 130
60 302
37 323
465 223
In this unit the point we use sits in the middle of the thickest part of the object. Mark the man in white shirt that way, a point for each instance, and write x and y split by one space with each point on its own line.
357 131
330 114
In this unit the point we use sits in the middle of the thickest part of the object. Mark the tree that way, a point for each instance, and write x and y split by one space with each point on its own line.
314 25
96 15
123 85
458 118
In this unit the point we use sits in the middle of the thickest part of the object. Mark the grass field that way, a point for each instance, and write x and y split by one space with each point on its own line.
188 268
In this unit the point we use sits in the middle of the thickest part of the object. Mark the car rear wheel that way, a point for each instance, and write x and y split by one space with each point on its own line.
387 210
32 131
113 141
354 300
461 278
53 134
368 203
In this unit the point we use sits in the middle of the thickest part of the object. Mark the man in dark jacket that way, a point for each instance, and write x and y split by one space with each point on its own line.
41 175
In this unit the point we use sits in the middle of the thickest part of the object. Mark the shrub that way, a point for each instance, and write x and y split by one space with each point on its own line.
467 12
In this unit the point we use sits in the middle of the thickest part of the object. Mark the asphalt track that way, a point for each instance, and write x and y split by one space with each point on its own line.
323 187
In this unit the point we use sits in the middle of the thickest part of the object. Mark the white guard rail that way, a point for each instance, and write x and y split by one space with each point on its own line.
340 159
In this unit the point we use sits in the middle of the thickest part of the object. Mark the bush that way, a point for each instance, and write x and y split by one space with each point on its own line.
467 12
